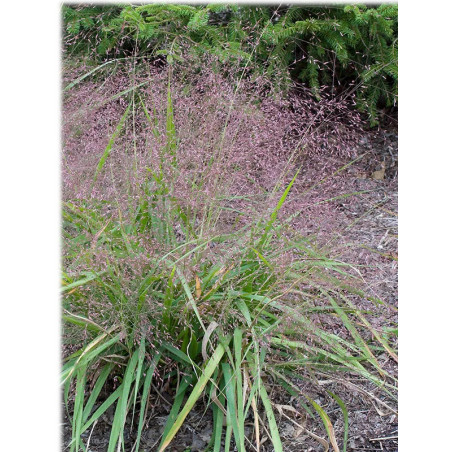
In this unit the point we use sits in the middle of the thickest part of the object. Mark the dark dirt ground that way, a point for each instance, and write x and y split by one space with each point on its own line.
365 231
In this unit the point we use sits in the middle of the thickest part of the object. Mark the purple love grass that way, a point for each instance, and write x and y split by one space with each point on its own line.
266 139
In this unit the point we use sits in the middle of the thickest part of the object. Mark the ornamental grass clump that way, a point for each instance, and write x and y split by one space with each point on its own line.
181 269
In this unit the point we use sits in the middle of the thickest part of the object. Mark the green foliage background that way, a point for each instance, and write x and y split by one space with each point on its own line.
351 49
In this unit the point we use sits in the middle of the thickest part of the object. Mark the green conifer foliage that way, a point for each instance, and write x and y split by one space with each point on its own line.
351 49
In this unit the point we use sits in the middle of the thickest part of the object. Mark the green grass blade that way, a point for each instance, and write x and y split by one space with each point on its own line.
195 394
96 390
82 321
167 302
274 214
104 407
238 336
262 258
177 402
155 130
122 93
108 149
230 389
346 360
78 407
354 332
92 350
228 437
141 356
253 391
181 357
82 281
244 310
190 298
326 422
229 427
377 336
218 417
79 79
276 439
341 403
117 428
67 387
170 126
146 388
98 350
